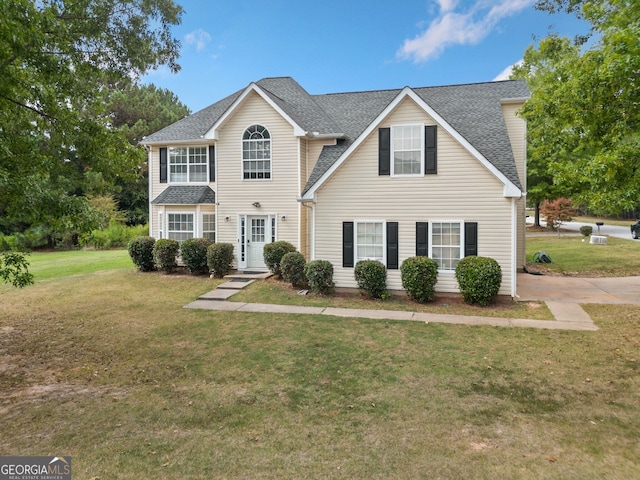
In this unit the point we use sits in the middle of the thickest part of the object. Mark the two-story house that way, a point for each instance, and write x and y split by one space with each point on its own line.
389 174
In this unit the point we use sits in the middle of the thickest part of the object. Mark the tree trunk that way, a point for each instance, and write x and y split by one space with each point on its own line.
536 222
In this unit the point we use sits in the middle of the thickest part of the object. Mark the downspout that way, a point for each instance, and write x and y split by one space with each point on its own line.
514 246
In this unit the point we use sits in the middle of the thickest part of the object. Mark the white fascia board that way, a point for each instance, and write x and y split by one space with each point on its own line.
194 142
212 133
510 190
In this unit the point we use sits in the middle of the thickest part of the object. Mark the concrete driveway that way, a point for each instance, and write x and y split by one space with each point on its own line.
621 290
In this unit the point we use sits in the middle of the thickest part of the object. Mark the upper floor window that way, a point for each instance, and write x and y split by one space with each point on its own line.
188 164
256 153
406 144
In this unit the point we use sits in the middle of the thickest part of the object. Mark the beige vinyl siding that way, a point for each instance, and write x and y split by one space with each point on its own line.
278 195
517 129
462 190
314 150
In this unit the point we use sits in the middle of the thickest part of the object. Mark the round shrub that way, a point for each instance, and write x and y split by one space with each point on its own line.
586 230
319 274
141 253
371 277
479 279
219 258
273 253
165 252
194 254
292 269
419 276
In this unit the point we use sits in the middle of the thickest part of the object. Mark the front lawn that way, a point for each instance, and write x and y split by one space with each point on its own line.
109 368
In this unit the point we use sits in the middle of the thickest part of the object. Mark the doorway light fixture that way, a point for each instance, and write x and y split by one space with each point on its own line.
256 204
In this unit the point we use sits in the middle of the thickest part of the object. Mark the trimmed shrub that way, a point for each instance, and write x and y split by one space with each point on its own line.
219 258
479 279
371 277
586 230
419 276
273 253
141 253
193 252
165 252
319 274
292 269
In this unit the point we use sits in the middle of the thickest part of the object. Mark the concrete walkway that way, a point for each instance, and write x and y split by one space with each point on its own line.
563 296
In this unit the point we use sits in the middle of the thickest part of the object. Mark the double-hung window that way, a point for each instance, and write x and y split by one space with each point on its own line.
180 226
407 156
446 244
256 153
209 226
188 164
370 241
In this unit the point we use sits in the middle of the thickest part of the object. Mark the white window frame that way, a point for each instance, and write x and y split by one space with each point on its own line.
420 128
190 152
356 244
256 160
432 244
194 225
210 222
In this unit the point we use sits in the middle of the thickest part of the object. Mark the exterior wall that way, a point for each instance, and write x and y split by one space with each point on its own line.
517 129
462 190
278 195
314 149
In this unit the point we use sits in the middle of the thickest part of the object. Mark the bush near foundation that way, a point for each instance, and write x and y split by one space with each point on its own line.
479 279
165 252
273 253
292 269
219 258
319 274
193 252
141 252
419 276
371 277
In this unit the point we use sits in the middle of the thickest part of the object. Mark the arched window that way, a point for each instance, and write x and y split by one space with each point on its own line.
256 153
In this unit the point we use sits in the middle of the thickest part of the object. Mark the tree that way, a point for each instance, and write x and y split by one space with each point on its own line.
583 112
54 58
557 212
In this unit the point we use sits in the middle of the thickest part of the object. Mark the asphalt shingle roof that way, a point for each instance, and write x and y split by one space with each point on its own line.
473 110
185 195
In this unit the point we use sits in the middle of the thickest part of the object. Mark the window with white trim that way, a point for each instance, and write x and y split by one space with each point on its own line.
407 150
209 226
188 165
446 244
180 226
256 153
369 241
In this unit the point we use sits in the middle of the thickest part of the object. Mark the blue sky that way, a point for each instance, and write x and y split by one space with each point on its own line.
351 45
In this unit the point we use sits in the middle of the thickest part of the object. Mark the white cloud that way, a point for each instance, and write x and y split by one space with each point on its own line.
199 38
506 73
455 26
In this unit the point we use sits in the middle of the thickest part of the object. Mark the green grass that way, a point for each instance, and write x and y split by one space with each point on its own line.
46 265
109 368
574 255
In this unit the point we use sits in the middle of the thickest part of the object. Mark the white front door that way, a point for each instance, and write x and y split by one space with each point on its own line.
257 236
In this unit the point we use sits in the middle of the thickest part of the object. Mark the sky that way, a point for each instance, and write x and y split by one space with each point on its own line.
351 45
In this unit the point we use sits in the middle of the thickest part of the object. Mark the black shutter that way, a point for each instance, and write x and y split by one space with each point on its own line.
470 239
384 151
430 150
163 165
212 163
422 239
392 245
347 244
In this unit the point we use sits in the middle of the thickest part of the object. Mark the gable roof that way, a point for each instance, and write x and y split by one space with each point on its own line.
185 195
471 111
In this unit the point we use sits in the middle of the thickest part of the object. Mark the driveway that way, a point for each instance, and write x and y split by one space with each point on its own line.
621 290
